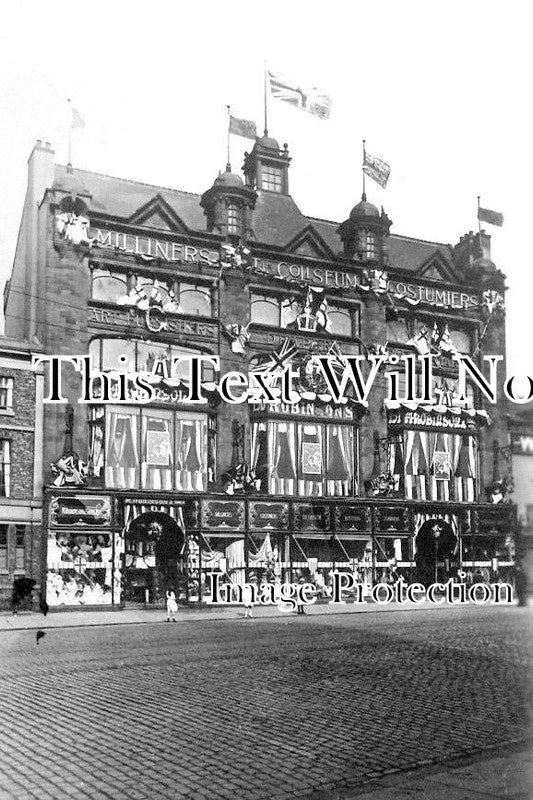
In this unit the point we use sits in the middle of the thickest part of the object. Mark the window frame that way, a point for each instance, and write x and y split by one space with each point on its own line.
277 301
7 385
5 467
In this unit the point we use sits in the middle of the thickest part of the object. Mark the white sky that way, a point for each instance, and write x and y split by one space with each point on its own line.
442 92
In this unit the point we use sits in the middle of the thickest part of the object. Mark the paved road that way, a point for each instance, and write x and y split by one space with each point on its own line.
257 709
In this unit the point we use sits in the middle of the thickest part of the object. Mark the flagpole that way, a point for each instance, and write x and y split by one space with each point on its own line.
265 96
478 219
69 163
228 163
364 159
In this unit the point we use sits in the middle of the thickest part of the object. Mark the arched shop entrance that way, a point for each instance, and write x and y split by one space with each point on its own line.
436 548
154 558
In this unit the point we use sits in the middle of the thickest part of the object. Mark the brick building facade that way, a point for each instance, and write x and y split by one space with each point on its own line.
138 275
20 466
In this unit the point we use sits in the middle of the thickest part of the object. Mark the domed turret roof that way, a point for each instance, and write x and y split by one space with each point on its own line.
229 179
364 209
268 143
485 264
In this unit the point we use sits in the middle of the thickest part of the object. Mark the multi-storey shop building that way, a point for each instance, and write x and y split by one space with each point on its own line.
148 495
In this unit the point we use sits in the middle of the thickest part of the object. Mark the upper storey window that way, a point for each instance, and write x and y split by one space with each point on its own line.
6 394
271 178
368 244
283 312
127 289
234 219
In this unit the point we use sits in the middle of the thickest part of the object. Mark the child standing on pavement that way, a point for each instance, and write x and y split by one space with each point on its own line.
172 605
247 601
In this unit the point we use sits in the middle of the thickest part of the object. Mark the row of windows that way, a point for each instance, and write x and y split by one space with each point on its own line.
404 330
143 357
12 543
283 312
165 450
155 449
266 309
134 290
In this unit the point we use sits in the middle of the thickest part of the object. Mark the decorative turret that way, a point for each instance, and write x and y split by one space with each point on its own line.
228 206
472 257
266 168
363 234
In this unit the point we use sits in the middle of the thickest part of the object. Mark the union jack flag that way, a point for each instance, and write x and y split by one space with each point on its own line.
279 359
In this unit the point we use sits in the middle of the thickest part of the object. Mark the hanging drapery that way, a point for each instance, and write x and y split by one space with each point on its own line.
191 454
340 460
281 444
449 518
96 439
310 461
439 466
122 456
156 467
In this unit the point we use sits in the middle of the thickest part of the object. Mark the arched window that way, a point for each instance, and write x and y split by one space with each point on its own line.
108 286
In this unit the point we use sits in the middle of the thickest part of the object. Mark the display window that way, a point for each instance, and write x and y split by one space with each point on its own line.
80 569
308 459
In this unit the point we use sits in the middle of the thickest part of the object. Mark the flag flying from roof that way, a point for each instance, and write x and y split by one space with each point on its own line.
376 169
77 119
491 217
309 98
242 127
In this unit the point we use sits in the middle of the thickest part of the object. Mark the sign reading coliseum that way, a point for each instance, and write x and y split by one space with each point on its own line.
178 252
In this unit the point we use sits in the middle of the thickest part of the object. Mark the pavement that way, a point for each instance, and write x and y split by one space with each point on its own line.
141 615
374 704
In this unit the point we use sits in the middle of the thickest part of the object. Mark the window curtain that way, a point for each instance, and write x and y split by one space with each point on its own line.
281 444
191 454
157 456
311 467
465 469
340 460
96 439
416 465
395 461
424 451
122 455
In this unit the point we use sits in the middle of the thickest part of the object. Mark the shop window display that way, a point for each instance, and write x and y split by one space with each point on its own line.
307 459
149 449
80 569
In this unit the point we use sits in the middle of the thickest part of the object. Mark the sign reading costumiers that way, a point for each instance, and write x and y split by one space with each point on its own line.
178 252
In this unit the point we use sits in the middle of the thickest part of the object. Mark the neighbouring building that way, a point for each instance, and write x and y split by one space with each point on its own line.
21 469
521 456
147 496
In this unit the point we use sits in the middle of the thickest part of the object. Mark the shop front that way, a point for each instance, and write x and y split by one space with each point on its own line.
117 550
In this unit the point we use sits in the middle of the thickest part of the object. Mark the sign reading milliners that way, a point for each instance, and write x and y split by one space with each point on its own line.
151 249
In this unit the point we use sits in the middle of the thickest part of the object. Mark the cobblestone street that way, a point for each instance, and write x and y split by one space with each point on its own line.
265 708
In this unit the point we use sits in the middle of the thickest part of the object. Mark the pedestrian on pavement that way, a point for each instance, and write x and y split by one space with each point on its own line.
299 601
247 601
172 605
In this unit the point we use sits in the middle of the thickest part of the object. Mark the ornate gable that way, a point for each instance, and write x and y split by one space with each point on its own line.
157 214
435 268
309 243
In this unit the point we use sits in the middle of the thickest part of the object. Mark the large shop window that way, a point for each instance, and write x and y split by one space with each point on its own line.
128 289
438 466
282 312
157 449
304 458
